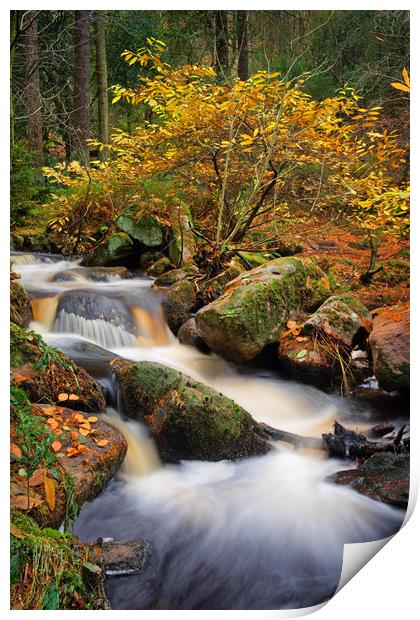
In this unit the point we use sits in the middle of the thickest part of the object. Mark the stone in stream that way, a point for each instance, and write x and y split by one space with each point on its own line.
188 272
253 310
187 419
121 558
188 335
321 354
44 373
159 267
87 478
384 477
20 305
390 346
96 274
178 303
92 306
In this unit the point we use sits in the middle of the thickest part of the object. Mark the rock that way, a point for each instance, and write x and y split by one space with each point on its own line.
383 477
178 303
253 259
341 318
44 373
182 246
91 306
114 249
87 479
254 309
322 354
188 272
20 305
160 267
145 228
149 257
187 419
390 346
105 274
212 289
122 558
188 335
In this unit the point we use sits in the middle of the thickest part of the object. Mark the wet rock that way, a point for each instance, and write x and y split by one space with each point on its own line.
188 335
87 478
390 346
159 267
44 373
149 257
20 305
179 302
253 311
187 419
188 272
383 477
104 274
122 558
112 251
144 228
92 306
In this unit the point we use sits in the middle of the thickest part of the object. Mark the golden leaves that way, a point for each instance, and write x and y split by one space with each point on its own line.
49 488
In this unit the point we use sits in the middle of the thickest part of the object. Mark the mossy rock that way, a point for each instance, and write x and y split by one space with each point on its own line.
187 419
20 305
390 346
383 477
188 272
213 288
253 259
144 228
44 373
111 251
255 307
178 304
159 267
149 257
182 245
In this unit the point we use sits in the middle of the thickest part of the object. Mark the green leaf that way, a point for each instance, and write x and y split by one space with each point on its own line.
301 354
292 354
93 568
51 598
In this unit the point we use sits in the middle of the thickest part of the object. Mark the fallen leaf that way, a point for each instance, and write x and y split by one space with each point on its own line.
286 333
56 446
15 531
25 502
15 450
63 397
92 419
73 397
85 425
296 331
84 431
74 435
291 324
37 477
102 442
79 417
49 487
72 452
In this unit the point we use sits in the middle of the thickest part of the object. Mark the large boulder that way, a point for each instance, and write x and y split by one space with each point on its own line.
20 305
47 375
255 307
187 419
145 228
320 351
188 335
390 346
180 300
213 288
188 272
118 247
91 306
159 267
384 477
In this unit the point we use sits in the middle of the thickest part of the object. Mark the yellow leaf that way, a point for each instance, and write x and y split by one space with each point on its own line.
49 487
406 77
15 531
63 396
102 442
73 397
400 86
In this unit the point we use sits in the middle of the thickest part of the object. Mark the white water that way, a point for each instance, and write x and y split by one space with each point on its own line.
266 532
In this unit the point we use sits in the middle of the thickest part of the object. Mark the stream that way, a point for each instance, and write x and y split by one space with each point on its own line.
263 533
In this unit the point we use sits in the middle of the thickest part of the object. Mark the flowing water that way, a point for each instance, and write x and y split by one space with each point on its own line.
262 533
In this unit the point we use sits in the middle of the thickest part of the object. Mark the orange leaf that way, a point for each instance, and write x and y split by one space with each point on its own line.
291 324
83 431
56 446
285 334
92 419
37 477
25 502
79 417
73 397
406 77
400 86
296 331
63 396
49 487
72 452
15 531
74 435
102 442
85 425
15 450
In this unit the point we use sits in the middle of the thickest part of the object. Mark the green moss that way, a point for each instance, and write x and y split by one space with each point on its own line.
21 351
145 228
63 574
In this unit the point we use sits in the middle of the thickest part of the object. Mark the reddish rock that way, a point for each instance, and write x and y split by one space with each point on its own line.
390 345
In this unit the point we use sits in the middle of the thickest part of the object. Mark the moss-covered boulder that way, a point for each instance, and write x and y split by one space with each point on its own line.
159 267
188 272
178 304
384 477
45 373
20 305
187 419
253 259
390 346
255 307
213 288
145 228
116 248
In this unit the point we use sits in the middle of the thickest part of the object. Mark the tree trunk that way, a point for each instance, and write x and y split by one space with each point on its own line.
221 35
242 40
81 93
32 92
102 83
